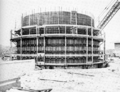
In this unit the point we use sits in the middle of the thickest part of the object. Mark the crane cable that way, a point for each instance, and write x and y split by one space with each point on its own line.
106 8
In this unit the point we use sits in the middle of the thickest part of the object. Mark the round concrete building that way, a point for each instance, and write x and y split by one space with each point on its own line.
59 39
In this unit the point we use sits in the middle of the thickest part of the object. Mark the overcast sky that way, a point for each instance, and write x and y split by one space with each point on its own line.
11 11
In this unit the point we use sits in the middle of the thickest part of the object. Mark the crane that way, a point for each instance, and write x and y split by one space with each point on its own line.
113 9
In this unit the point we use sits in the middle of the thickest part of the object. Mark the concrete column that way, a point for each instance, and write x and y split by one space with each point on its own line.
65 47
44 44
37 42
21 37
21 45
92 40
86 45
92 43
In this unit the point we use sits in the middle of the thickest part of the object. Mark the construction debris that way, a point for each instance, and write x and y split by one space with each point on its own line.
73 80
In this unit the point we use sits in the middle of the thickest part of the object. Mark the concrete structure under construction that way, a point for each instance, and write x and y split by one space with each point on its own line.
59 39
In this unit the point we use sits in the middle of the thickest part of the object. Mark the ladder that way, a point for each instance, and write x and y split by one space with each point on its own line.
110 14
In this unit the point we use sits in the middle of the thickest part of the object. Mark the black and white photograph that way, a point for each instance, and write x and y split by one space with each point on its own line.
59 45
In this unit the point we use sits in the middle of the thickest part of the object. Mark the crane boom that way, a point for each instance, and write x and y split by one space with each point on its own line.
113 10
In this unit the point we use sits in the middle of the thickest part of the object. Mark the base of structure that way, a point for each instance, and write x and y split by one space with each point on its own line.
72 66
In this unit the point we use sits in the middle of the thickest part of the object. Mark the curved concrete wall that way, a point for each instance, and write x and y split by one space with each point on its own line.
61 17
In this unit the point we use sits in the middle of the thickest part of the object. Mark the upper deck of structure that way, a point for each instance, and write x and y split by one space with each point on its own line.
57 17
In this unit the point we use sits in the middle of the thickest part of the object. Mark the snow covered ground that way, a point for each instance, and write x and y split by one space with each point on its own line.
74 80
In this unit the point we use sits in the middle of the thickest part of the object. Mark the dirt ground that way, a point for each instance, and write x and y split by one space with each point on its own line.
75 80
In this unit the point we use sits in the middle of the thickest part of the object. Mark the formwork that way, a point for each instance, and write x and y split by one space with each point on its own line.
59 39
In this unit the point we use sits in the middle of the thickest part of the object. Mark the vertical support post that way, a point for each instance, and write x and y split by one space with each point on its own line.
48 17
21 38
40 22
37 37
29 31
58 15
61 16
76 18
92 43
38 19
44 44
34 16
70 17
92 40
42 16
87 45
21 45
29 25
65 48
37 44
28 34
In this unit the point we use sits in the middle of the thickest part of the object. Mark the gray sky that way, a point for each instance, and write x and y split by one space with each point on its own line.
11 11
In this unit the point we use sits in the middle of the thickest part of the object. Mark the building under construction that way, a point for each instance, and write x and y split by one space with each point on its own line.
59 39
